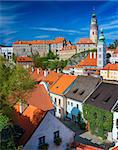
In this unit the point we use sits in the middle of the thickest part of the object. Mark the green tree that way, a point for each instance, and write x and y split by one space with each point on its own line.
114 44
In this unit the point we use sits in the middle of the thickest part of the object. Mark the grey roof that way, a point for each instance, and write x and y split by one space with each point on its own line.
82 87
104 97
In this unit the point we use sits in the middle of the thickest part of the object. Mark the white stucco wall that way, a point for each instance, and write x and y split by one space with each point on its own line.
48 126
74 104
57 106
115 129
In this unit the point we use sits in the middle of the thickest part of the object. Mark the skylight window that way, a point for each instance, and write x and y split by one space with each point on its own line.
107 99
94 97
75 91
82 92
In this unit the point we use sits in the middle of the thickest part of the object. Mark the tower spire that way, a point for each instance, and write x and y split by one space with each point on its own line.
94 28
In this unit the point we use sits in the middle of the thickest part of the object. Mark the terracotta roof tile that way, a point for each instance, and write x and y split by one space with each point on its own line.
88 61
85 41
39 98
28 120
115 148
24 59
52 77
116 50
111 67
37 75
62 84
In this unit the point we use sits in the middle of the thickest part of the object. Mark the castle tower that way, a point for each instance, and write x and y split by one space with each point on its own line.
94 29
101 51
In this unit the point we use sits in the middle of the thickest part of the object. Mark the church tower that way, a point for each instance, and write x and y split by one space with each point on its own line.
94 29
101 51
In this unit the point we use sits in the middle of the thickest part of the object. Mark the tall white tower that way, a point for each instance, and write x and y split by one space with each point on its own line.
101 51
94 29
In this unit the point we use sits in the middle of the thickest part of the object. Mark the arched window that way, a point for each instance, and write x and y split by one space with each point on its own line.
93 33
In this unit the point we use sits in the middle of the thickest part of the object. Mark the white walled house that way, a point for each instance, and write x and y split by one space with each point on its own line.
46 130
6 52
76 95
57 92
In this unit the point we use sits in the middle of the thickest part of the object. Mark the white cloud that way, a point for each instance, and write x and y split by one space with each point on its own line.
110 25
56 29
42 36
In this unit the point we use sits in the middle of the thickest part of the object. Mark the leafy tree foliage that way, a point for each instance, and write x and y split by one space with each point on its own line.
100 120
114 44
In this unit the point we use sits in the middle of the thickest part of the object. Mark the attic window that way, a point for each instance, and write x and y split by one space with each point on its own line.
82 92
94 97
106 100
75 91
57 86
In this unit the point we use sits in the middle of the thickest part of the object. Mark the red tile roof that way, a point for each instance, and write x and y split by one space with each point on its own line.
62 84
29 121
85 41
40 98
115 148
87 62
55 41
111 67
24 59
52 77
37 75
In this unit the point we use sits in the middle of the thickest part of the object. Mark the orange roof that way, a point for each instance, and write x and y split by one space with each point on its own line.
115 148
37 75
68 67
55 41
39 98
62 84
88 62
24 59
85 41
28 120
69 47
111 67
52 77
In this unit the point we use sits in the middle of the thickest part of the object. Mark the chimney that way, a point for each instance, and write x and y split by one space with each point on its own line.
37 70
21 107
91 55
94 55
45 73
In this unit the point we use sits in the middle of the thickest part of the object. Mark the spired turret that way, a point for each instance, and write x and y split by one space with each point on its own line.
94 29
101 51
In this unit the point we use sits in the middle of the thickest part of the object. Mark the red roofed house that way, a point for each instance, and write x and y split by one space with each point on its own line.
26 62
114 57
110 72
39 124
57 91
85 44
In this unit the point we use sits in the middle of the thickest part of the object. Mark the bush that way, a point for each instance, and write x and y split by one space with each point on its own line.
82 126
43 146
57 141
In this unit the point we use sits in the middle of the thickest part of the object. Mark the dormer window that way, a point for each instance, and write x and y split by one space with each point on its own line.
107 99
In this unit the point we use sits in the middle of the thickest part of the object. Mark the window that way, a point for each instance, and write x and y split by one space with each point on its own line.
116 123
77 106
117 135
99 62
59 110
56 134
93 33
59 102
42 140
107 99
55 100
99 49
82 92
99 55
68 103
75 91
71 104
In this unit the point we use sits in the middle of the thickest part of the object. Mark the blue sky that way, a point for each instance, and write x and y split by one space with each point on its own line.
36 20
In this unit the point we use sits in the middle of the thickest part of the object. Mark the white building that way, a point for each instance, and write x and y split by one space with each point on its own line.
57 91
83 86
6 52
101 51
47 131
